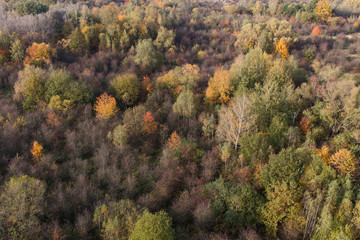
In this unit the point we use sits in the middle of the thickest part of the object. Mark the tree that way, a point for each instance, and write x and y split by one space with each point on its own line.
185 76
77 40
235 206
37 150
117 219
30 86
220 87
281 181
105 106
165 38
174 140
235 120
27 7
251 70
316 31
209 126
155 226
146 55
150 125
17 51
345 162
62 84
185 104
323 9
119 135
282 48
126 88
21 205
39 54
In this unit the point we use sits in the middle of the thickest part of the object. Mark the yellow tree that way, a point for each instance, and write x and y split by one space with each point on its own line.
281 47
344 161
37 150
323 9
220 88
105 106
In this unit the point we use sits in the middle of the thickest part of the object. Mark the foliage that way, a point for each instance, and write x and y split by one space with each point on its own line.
126 88
220 88
105 106
344 161
77 40
117 219
282 48
236 206
316 31
21 205
150 125
151 226
146 55
186 76
39 54
26 7
165 38
323 9
185 104
17 51
62 84
37 150
30 86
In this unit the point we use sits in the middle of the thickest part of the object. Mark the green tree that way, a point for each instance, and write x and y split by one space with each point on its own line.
146 55
61 83
165 38
235 205
252 70
17 51
281 181
21 205
26 7
185 104
119 135
77 40
126 88
117 219
155 226
30 87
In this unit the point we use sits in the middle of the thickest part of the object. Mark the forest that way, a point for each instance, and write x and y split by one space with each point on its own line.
179 119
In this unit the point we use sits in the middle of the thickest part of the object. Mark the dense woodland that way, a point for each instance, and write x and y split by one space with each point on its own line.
179 119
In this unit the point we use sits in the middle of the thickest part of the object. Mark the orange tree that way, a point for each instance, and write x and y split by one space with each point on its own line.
316 31
282 48
105 106
220 88
37 150
39 54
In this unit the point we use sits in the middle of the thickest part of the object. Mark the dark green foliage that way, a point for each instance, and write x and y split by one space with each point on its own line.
61 83
290 9
237 205
26 7
77 40
287 166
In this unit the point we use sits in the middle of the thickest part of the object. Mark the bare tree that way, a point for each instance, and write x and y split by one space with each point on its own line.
235 120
